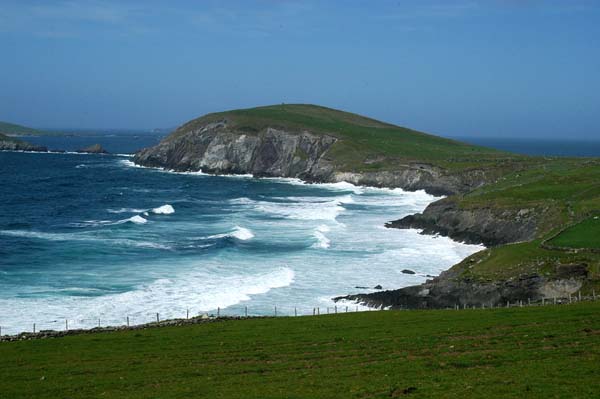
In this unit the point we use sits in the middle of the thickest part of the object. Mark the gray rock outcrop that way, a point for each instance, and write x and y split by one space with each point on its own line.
487 225
219 148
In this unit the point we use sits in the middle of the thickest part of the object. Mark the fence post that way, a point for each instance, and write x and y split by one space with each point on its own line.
346 309
335 309
314 310
594 295
218 312
528 301
579 295
357 308
127 321
543 301
318 311
34 328
66 325
246 311
520 303
187 314
295 312
555 300
507 304
98 323
275 311
157 318
570 299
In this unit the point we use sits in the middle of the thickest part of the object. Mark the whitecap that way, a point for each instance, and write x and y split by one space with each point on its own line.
137 219
322 241
241 233
164 210
126 210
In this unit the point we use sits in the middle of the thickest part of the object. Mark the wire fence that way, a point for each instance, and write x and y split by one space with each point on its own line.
64 326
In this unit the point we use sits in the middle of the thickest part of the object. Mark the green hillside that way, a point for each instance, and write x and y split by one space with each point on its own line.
563 192
18 130
365 143
530 352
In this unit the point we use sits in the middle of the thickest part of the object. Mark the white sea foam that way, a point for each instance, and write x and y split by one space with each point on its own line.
170 297
164 210
126 210
241 233
137 219
322 241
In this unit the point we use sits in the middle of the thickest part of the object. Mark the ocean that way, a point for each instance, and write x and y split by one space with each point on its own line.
93 239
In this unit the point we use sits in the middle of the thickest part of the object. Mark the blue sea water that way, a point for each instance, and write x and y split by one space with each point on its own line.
93 238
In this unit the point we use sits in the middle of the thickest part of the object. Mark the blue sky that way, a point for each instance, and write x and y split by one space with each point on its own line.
462 68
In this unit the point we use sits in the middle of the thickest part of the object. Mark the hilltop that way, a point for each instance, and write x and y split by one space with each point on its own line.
320 144
11 129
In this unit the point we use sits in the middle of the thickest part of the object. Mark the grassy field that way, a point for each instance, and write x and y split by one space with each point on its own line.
560 191
537 352
583 235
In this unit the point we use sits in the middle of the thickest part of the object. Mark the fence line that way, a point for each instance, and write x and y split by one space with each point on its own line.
154 319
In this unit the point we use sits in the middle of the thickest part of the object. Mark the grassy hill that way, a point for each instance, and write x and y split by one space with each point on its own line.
535 352
364 143
566 194
17 130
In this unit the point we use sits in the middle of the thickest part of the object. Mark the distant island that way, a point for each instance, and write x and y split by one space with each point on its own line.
538 216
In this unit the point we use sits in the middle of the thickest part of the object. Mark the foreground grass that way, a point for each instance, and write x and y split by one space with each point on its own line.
547 352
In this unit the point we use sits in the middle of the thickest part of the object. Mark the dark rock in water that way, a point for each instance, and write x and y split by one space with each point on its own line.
378 287
360 287
11 144
93 149
408 271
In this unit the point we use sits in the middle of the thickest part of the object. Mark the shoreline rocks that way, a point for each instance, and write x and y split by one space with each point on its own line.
11 144
93 149
484 225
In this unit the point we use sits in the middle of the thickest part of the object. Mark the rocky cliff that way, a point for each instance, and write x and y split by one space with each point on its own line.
221 148
10 144
448 291
486 225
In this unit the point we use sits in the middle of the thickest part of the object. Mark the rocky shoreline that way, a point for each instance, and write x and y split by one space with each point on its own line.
219 148
10 144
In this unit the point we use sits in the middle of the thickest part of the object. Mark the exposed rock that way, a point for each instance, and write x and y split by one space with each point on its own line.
11 144
378 287
218 148
488 225
444 293
407 271
93 149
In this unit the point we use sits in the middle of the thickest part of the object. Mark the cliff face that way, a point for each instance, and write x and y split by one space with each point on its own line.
487 225
218 148
446 293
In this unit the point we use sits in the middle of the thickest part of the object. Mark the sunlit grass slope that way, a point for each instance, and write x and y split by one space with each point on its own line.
536 352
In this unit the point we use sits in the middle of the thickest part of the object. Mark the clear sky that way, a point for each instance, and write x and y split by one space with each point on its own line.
466 67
